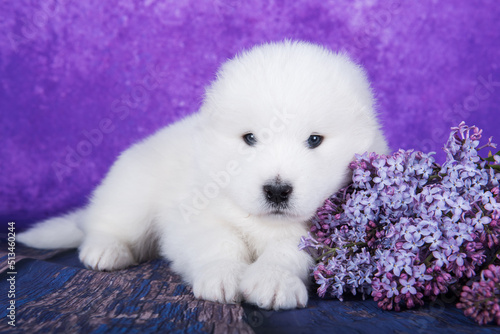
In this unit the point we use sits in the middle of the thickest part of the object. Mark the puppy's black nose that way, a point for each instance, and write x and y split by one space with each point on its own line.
277 193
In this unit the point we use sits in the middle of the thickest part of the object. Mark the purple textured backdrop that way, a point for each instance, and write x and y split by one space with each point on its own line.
81 81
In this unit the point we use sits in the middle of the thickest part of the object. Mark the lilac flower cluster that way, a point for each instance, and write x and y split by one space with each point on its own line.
407 229
482 300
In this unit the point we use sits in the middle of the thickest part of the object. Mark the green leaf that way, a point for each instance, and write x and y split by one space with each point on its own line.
490 156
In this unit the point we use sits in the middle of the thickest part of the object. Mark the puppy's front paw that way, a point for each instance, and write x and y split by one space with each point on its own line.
272 287
219 281
105 254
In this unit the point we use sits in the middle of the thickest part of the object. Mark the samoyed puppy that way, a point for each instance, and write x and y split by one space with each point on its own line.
226 193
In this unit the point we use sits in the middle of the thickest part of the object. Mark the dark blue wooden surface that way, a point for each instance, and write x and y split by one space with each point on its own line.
128 296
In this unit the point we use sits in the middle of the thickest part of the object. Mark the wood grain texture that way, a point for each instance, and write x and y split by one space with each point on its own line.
148 298
56 294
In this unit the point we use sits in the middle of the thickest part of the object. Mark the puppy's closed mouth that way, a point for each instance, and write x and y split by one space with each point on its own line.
283 212
278 209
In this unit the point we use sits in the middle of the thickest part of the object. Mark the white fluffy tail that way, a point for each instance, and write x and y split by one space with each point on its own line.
58 232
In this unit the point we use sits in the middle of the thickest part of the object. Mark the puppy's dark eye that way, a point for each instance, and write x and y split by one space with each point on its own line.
249 139
314 141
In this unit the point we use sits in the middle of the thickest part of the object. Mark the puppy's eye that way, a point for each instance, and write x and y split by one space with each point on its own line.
249 139
314 141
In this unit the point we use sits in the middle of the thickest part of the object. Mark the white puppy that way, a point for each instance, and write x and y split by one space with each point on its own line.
226 193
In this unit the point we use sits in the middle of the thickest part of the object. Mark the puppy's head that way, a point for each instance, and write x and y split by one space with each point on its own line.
287 118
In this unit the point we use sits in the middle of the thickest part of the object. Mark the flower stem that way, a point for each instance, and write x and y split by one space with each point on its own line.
334 250
495 257
427 261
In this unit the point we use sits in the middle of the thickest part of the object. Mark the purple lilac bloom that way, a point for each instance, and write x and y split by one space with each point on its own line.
481 301
407 229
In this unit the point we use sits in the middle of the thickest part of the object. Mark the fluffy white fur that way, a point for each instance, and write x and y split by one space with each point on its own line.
194 192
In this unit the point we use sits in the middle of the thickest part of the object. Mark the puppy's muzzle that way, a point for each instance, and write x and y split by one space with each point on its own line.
277 193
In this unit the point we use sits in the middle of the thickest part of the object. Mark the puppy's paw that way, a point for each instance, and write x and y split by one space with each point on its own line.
219 281
105 254
272 287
